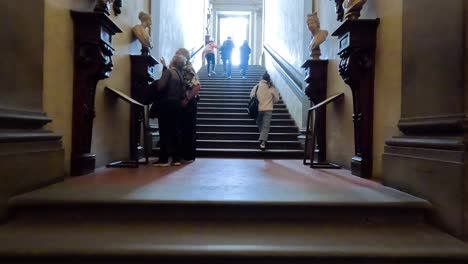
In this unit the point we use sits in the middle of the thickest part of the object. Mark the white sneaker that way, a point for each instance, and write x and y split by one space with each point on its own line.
161 164
263 145
209 74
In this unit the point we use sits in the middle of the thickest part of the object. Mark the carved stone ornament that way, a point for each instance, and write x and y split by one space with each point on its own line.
92 62
357 42
352 8
142 77
103 6
117 7
339 9
317 92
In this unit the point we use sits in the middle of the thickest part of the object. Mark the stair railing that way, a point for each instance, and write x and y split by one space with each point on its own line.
316 123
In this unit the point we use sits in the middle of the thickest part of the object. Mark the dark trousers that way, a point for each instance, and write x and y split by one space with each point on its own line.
189 133
227 64
243 65
210 61
169 130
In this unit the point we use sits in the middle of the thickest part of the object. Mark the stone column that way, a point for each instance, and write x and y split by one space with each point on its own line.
30 156
428 160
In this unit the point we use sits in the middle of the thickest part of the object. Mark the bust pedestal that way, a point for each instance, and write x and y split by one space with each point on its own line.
92 62
357 42
141 78
316 90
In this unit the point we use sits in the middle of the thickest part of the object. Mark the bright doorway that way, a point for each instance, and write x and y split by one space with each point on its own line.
237 26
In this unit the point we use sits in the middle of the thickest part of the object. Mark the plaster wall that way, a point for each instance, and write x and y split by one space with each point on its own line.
387 91
286 29
181 24
22 63
286 32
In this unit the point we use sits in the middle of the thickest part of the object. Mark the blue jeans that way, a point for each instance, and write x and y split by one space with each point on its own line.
243 66
210 61
263 123
227 66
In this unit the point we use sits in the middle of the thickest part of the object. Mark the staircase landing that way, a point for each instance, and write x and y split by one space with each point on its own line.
222 181
223 211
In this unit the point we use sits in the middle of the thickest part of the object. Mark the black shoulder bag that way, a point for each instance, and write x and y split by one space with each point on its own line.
252 107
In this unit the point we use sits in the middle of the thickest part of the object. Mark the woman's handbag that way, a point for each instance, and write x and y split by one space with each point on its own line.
252 107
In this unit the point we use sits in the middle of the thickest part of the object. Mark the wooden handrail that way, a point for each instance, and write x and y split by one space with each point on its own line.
193 53
326 101
311 134
287 68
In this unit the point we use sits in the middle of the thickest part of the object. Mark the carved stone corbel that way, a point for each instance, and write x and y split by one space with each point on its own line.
92 62
357 42
316 90
339 10
117 6
141 78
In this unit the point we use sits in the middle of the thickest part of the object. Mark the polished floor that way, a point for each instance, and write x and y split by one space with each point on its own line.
92 218
223 181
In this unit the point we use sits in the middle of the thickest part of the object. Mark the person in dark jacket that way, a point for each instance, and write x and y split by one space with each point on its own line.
172 89
244 57
226 56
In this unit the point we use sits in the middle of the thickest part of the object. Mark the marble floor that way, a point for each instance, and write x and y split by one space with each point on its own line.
223 181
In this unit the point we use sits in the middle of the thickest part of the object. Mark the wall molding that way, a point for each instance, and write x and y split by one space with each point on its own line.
12 119
289 73
28 136
435 124
428 142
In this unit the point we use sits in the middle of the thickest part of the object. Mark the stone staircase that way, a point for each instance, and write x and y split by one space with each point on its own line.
225 130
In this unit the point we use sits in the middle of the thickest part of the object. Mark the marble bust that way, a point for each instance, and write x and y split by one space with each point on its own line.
318 35
141 32
352 8
103 6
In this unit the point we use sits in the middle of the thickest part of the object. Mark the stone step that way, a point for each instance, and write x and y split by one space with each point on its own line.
249 75
226 97
244 128
247 153
204 92
250 153
234 110
229 83
219 242
220 88
242 105
227 101
219 121
220 189
241 115
245 136
248 144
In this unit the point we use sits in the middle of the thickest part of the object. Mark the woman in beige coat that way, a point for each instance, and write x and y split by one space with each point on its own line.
267 95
